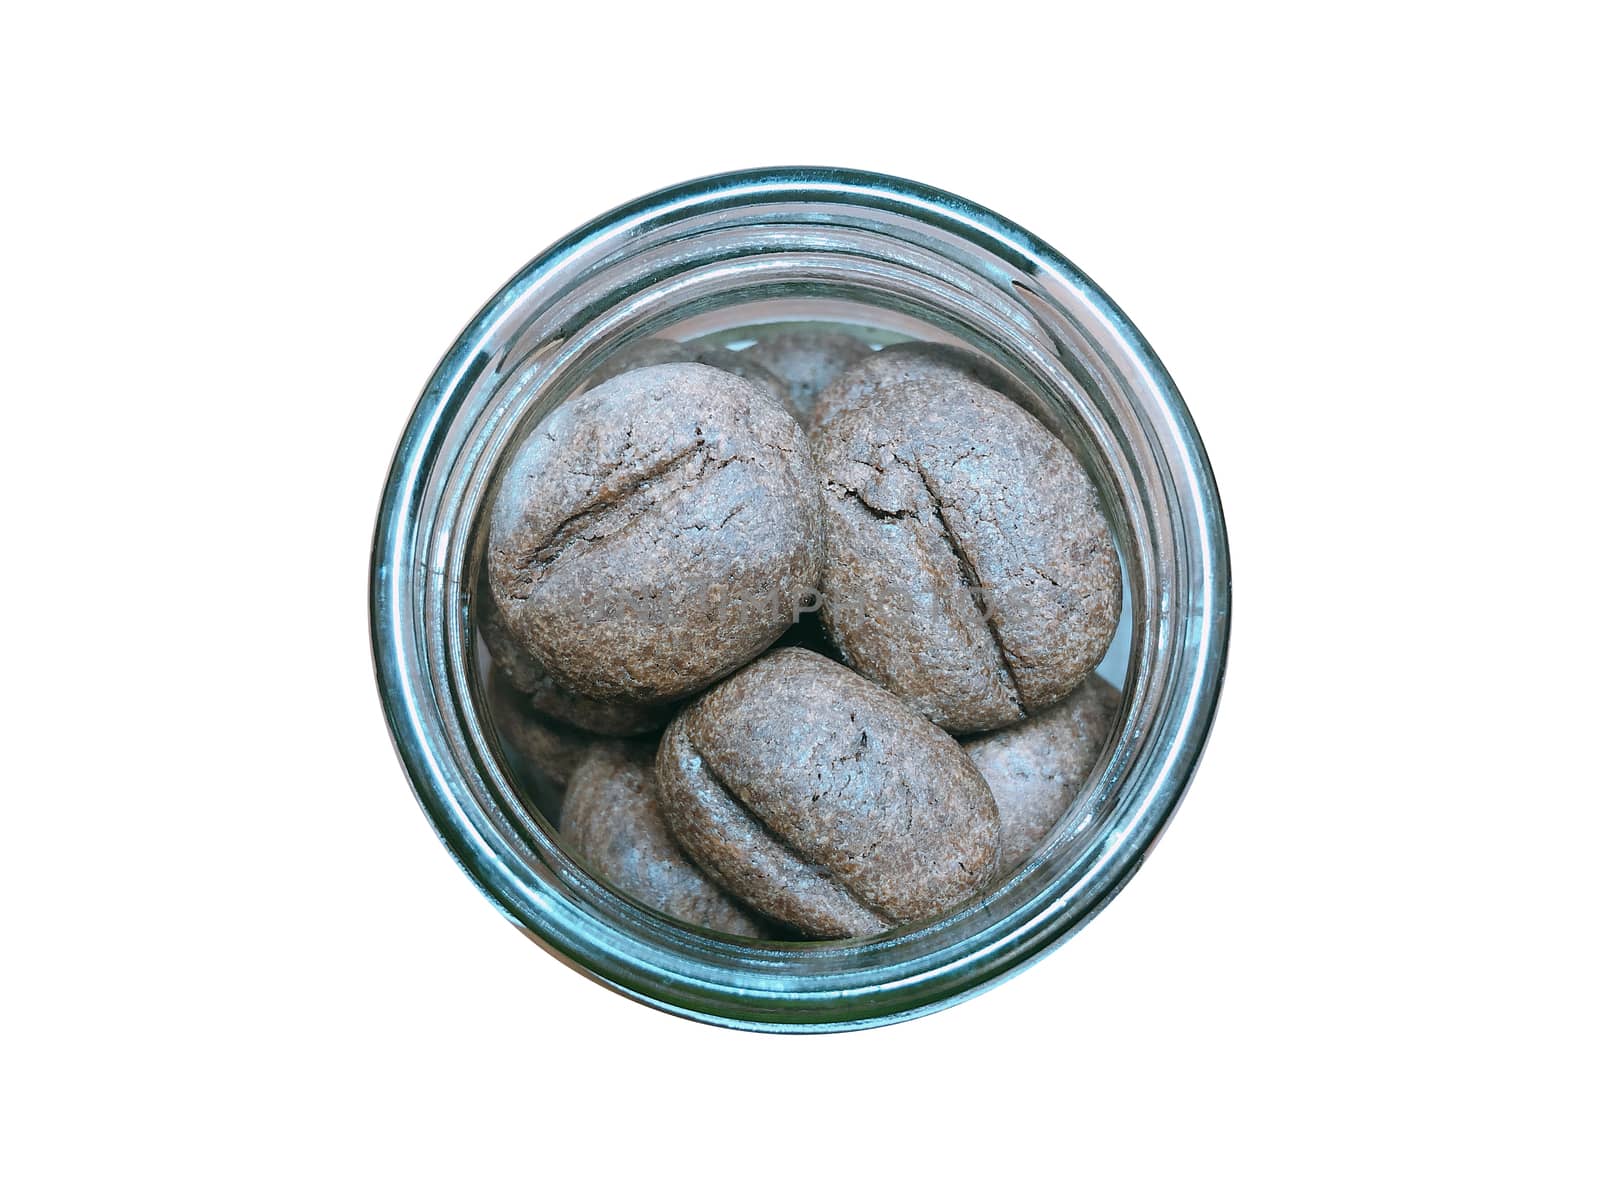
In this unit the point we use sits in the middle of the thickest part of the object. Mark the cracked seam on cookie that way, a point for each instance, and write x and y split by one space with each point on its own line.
969 576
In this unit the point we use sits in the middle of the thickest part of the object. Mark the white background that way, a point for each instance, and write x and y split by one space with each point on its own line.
237 962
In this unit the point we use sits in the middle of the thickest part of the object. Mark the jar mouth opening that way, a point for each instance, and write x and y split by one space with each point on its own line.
712 258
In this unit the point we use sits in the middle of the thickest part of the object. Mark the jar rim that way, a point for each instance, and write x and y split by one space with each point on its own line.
850 997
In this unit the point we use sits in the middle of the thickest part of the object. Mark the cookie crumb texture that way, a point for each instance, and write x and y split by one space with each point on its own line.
655 533
547 698
823 801
611 819
970 569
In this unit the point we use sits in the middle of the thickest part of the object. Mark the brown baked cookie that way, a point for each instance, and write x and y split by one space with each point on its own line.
549 747
655 533
970 569
905 362
1037 768
611 819
806 363
821 800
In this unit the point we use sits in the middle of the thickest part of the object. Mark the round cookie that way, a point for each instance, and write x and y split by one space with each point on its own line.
905 362
655 533
822 801
545 696
806 363
1036 769
611 819
970 569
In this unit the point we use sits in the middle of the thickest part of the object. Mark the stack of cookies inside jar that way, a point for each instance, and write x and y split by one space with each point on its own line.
799 639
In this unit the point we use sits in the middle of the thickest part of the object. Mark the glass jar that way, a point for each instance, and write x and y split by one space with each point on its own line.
714 258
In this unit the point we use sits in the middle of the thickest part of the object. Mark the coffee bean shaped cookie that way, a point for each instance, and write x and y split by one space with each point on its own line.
549 699
970 569
821 800
1036 769
806 363
610 818
906 362
655 533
